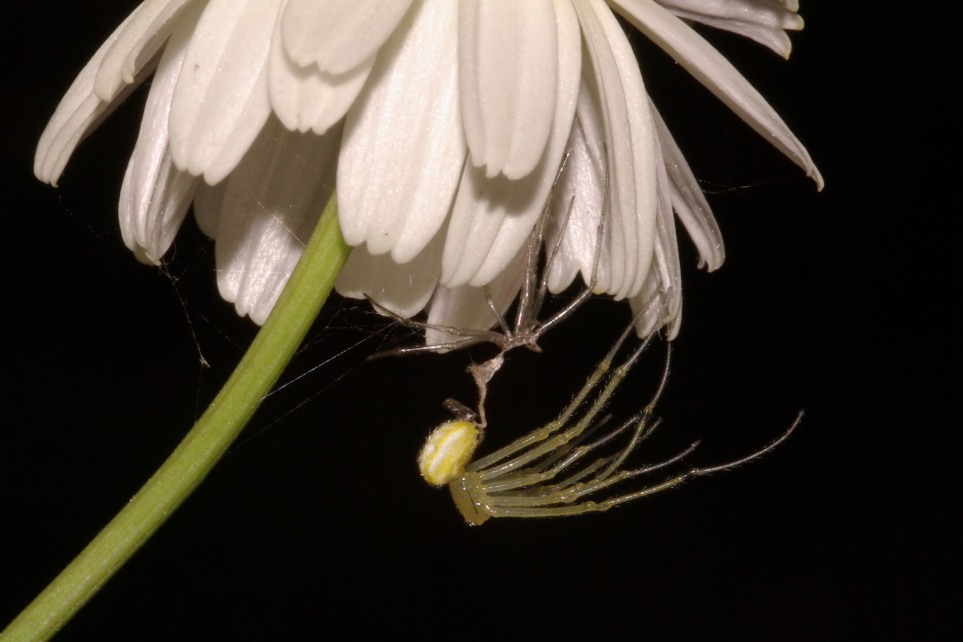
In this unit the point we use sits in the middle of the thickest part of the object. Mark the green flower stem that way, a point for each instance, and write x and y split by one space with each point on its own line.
187 466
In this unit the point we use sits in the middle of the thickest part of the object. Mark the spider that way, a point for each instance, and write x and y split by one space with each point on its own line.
544 473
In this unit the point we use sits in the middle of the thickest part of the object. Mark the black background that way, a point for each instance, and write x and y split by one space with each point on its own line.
837 302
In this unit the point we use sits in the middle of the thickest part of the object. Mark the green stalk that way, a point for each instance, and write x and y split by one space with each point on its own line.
194 457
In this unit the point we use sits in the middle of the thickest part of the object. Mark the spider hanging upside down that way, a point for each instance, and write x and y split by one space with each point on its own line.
544 473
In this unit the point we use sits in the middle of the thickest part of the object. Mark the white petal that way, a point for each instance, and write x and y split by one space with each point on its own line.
76 115
121 63
659 302
650 304
208 202
404 289
409 121
158 211
507 62
272 202
613 74
306 98
466 307
579 206
718 75
491 218
338 35
221 101
148 28
155 195
688 200
764 21
666 269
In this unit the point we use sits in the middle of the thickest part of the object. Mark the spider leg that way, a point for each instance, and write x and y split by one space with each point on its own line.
561 455
568 493
559 460
499 317
529 300
559 439
497 509
551 256
469 336
567 311
643 418
572 487
557 424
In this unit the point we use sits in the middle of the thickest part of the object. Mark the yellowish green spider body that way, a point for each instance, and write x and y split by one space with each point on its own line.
448 450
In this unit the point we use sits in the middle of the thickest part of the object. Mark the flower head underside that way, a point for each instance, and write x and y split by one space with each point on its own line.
443 125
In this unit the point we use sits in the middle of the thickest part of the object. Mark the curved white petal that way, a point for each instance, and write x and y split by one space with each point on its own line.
403 289
649 307
659 302
467 307
580 205
221 101
718 75
149 26
409 121
273 200
689 201
666 268
508 71
339 35
612 73
155 195
764 21
306 98
125 59
491 218
75 116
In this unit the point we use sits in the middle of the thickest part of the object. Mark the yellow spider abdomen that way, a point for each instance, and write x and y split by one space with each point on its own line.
447 451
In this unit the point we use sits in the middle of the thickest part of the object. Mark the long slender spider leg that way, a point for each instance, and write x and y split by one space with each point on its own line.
575 449
643 427
614 380
528 481
601 483
436 348
589 289
569 494
499 317
651 468
648 430
560 459
470 336
643 418
551 256
546 431
527 309
529 304
638 436
586 507
697 472
549 469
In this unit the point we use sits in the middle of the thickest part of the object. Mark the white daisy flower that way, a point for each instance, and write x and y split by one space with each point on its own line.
443 124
